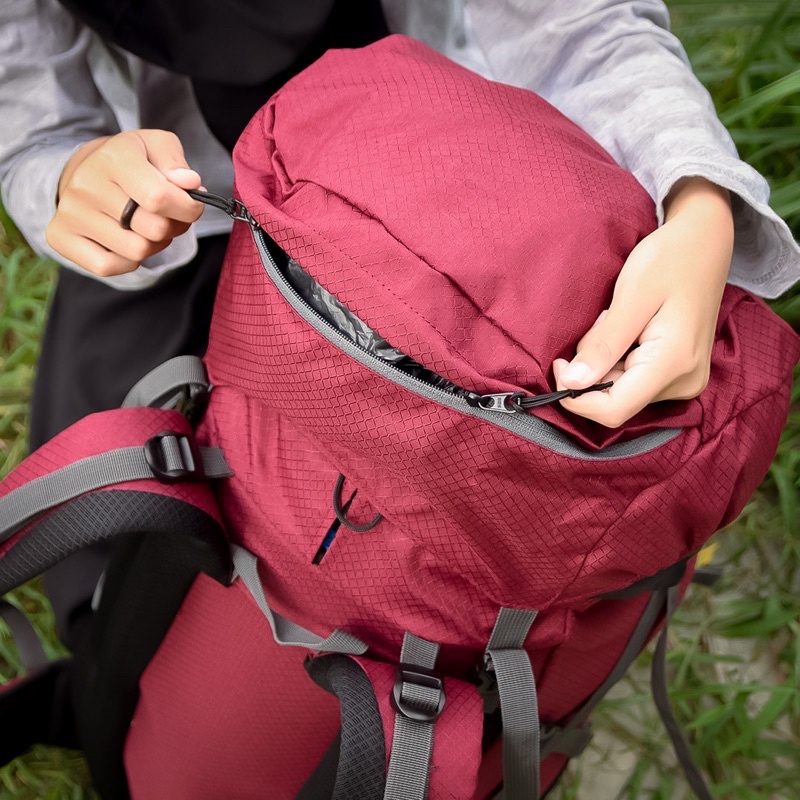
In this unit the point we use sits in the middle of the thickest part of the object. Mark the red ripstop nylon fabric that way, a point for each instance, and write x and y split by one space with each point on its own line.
479 231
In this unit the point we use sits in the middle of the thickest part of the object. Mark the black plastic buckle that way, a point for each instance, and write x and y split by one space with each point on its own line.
191 463
418 676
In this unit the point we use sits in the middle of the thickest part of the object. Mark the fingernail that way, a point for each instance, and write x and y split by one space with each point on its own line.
576 373
181 173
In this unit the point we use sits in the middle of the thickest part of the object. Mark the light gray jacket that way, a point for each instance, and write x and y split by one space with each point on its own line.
613 67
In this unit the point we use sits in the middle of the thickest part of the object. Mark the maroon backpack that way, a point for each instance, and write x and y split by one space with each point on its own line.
463 564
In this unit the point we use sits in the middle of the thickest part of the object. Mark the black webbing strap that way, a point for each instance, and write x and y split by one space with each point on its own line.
664 601
36 709
562 739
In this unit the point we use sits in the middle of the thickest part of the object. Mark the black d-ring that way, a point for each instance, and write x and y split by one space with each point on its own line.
339 511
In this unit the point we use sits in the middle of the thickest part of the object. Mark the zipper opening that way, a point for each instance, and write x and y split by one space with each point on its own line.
498 409
493 402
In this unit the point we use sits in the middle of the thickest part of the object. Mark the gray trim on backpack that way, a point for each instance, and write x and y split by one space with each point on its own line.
525 425
285 631
162 386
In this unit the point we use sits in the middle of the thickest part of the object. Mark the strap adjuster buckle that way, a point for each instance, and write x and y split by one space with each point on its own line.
173 457
425 705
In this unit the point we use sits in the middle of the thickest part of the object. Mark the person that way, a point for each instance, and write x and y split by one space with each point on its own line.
110 113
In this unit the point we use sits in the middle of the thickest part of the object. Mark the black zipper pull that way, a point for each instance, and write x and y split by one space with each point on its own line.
519 402
235 209
536 400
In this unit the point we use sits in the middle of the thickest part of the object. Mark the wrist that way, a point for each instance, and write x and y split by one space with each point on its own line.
700 212
696 195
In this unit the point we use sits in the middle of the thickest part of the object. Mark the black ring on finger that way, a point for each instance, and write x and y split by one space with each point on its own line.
127 214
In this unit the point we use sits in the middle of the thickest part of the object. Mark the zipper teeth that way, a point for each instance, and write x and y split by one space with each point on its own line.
530 427
342 341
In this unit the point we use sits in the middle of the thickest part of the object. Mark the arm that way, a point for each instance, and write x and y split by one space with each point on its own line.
49 105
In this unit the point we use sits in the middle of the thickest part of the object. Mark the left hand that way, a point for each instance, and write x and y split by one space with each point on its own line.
655 339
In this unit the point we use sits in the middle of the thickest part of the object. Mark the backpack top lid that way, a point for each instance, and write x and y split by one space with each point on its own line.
470 223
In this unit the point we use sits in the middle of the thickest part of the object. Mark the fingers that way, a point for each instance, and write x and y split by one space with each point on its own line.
655 340
636 384
613 334
147 167
98 242
162 175
670 362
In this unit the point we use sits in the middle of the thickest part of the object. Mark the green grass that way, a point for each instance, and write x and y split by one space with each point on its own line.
735 654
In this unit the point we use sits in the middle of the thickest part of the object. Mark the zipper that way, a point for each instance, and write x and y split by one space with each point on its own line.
507 410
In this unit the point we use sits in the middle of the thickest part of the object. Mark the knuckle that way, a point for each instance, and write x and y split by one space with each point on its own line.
160 229
155 198
160 137
139 249
612 419
601 350
694 369
105 265
114 148
52 233
694 386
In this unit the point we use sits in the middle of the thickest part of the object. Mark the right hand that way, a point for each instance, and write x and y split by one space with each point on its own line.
147 166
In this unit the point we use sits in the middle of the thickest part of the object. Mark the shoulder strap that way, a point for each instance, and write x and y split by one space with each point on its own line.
41 518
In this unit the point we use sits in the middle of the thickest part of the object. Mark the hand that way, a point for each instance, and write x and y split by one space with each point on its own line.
147 166
655 339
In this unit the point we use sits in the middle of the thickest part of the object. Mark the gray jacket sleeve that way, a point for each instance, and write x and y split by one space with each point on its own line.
49 105
613 67
61 87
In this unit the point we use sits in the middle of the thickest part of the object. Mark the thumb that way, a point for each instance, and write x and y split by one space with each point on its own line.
613 334
165 153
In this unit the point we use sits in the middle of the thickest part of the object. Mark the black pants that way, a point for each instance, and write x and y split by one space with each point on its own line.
98 342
